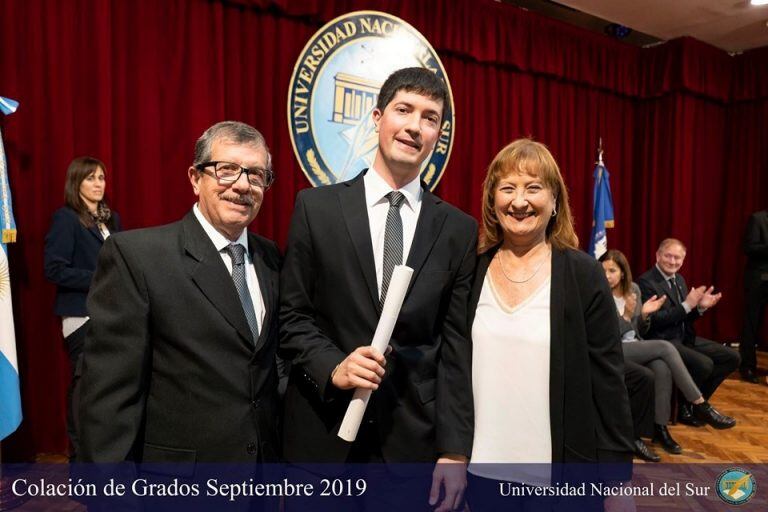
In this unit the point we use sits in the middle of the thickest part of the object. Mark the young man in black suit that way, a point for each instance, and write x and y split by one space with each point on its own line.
708 362
344 241
179 362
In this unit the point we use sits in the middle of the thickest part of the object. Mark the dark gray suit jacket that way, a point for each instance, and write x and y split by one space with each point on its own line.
671 322
171 373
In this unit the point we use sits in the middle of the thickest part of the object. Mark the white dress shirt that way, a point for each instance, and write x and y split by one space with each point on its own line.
221 243
376 190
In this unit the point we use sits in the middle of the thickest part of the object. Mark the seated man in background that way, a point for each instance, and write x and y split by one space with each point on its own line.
708 362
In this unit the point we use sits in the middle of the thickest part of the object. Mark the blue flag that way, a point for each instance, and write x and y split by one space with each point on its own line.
603 214
10 397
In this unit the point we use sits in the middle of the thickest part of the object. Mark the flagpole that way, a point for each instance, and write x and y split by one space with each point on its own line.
600 152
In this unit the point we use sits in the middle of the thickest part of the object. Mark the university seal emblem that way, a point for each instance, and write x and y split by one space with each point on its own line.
334 88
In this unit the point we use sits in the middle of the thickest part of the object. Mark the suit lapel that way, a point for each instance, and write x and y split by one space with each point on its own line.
662 286
355 212
483 262
267 286
94 230
209 273
557 352
428 227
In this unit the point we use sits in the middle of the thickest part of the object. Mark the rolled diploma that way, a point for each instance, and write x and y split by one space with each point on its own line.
398 285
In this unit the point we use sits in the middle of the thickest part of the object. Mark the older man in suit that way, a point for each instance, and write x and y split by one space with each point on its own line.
179 362
708 362
755 291
344 241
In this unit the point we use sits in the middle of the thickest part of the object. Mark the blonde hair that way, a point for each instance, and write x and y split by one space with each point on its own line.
530 157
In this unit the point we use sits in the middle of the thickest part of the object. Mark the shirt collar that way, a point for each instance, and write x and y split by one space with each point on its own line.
219 240
376 190
666 276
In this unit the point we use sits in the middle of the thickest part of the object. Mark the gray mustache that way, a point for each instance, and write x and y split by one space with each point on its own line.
244 200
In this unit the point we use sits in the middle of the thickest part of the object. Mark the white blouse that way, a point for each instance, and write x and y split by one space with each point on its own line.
510 381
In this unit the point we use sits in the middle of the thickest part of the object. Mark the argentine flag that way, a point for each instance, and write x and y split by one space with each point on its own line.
10 398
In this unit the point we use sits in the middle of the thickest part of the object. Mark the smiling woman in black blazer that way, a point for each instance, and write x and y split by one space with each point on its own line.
547 366
77 233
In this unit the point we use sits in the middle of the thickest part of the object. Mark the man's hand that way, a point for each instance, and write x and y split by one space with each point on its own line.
695 296
363 368
652 305
450 474
710 299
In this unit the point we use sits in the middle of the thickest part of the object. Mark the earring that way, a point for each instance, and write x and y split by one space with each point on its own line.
554 212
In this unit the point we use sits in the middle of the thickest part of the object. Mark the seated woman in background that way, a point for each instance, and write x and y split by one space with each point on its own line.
72 244
658 355
547 371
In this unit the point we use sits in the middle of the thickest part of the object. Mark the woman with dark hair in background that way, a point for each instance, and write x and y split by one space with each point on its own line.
547 372
72 244
658 355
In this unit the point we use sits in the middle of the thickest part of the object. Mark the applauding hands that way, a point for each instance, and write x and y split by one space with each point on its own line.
652 305
702 297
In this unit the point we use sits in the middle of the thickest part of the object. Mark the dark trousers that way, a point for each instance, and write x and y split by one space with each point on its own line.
709 363
640 381
74 344
756 297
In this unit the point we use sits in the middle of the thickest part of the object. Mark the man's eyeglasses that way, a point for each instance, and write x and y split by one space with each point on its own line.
229 172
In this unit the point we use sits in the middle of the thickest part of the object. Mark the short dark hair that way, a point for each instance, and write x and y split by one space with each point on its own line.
419 80
229 131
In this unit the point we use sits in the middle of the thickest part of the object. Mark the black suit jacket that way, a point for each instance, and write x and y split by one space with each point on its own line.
171 373
671 322
590 419
70 256
756 246
329 307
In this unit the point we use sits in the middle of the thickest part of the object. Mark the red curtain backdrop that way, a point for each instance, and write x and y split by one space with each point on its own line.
135 83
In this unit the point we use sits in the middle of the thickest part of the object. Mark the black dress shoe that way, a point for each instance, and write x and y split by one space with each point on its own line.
748 375
662 436
708 414
686 417
644 452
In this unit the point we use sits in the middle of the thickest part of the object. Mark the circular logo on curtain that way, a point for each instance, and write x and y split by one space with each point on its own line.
736 486
334 88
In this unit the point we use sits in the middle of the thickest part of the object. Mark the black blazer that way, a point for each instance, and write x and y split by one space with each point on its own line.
590 418
329 306
756 245
170 371
70 256
671 322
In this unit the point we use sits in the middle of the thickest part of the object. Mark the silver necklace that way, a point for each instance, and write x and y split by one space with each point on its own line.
504 272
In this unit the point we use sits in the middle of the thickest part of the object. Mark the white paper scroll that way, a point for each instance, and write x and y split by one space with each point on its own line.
398 285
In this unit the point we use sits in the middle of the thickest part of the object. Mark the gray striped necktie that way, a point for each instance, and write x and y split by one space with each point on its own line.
237 253
393 242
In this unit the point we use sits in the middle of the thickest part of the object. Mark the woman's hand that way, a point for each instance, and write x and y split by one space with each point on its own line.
652 305
630 303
